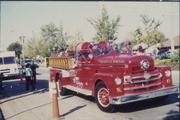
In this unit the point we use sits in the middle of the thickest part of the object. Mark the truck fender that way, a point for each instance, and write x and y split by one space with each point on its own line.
106 78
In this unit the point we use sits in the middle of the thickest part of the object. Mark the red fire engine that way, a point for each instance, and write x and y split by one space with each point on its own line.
111 74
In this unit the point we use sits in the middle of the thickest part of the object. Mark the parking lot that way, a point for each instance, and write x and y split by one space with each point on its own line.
16 104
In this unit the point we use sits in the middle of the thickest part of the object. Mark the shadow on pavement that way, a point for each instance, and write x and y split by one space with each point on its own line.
66 97
15 89
73 110
148 104
172 115
89 98
65 114
1 115
137 106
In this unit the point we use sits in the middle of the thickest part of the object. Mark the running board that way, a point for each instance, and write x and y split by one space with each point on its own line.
78 90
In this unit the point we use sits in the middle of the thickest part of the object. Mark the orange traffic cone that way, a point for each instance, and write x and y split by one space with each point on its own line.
55 105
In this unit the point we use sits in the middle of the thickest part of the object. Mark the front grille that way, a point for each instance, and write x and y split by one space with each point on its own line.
140 83
5 71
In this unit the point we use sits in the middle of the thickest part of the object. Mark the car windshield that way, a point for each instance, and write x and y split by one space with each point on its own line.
9 60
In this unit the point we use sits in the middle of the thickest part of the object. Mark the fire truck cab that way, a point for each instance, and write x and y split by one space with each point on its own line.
111 74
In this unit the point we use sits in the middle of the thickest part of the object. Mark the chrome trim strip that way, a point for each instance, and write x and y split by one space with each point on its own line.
138 77
142 81
155 74
143 96
141 87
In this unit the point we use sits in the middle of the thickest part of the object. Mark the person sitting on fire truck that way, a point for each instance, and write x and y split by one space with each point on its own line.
101 49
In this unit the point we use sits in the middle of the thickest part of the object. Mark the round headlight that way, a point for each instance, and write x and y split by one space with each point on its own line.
145 64
168 73
118 81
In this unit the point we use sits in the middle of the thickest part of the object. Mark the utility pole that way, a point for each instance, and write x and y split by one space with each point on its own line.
21 41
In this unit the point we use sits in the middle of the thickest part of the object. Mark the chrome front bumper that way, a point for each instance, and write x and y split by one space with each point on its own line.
10 74
143 96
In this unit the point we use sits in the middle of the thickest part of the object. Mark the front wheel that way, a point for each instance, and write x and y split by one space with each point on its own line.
102 98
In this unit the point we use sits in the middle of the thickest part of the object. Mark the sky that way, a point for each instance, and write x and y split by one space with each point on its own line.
26 18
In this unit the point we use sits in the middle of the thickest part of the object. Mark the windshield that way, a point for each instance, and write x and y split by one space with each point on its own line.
27 61
101 48
115 48
123 48
1 62
9 60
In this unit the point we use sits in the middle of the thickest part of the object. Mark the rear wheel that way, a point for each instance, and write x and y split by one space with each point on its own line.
102 98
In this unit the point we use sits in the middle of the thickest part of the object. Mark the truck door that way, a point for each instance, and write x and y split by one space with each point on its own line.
85 72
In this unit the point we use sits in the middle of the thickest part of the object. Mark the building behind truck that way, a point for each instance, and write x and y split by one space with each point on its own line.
8 65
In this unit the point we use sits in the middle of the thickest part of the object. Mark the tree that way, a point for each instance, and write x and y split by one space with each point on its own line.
73 40
15 47
53 36
149 33
105 27
36 46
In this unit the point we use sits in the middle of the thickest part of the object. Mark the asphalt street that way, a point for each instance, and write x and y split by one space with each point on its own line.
16 104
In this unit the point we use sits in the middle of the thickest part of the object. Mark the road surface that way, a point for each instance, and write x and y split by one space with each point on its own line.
16 104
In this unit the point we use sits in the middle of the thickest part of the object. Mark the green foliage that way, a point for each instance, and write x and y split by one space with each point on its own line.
73 40
105 27
168 62
36 46
15 47
173 62
53 36
163 62
149 33
175 56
